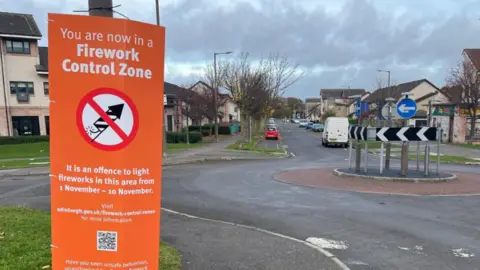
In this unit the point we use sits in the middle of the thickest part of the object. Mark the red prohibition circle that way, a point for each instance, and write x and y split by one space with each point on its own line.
89 98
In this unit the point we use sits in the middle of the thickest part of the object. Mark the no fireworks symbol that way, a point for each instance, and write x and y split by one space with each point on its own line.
107 119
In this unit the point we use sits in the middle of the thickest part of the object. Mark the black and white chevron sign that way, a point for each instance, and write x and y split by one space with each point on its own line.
407 134
357 133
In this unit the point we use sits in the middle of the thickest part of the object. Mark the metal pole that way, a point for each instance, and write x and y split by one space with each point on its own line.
350 144
188 132
438 150
389 123
157 8
215 90
404 159
366 157
429 116
250 128
418 156
101 8
381 158
358 150
427 159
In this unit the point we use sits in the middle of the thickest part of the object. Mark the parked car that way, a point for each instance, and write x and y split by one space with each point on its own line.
295 121
271 121
271 133
309 126
317 127
302 123
335 132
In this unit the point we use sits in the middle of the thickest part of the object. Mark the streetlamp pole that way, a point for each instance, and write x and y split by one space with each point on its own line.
215 90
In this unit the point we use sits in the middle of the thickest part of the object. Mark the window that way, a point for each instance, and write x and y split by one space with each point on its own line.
45 88
21 87
18 46
47 124
26 125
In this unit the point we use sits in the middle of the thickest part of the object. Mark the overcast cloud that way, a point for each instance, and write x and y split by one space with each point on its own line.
338 42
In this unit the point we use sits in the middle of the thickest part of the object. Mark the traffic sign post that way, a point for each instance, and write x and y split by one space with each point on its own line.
106 78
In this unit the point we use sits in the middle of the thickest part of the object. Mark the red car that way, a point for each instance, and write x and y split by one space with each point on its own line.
271 133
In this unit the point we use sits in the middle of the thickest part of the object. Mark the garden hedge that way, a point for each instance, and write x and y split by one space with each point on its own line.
23 139
181 137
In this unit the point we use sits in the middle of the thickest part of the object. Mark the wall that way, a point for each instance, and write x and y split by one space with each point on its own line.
19 67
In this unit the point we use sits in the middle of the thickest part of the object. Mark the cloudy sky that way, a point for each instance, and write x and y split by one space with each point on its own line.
339 43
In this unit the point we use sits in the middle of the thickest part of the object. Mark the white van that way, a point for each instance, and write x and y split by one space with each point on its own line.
335 132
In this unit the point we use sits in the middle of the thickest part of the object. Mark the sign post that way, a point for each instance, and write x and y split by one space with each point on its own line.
406 109
105 175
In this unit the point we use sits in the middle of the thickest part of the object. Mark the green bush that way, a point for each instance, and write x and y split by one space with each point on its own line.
23 139
181 137
206 133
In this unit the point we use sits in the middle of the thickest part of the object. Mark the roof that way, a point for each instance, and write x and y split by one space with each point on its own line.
171 89
395 91
43 53
474 56
454 93
18 24
340 93
313 100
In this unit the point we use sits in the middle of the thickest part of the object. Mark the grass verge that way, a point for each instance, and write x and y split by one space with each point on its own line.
25 241
252 146
175 147
24 163
27 150
445 158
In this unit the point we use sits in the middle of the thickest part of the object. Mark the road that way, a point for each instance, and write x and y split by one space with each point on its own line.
370 231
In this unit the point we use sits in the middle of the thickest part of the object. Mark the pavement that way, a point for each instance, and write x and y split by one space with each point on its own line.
363 230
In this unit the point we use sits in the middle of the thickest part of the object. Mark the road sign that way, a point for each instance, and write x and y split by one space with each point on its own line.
358 108
406 108
107 119
357 133
406 134
106 78
393 111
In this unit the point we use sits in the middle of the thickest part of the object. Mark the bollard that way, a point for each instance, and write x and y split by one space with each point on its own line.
366 156
418 156
350 154
358 156
381 158
387 156
404 159
427 160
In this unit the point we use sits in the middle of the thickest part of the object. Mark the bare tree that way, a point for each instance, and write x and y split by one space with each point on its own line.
463 87
314 111
255 86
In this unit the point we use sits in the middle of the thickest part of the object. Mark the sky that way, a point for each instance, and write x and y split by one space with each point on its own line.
336 43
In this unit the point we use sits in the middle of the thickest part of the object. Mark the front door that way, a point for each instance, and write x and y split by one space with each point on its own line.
170 122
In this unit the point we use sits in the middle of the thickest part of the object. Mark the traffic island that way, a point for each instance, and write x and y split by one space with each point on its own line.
395 175
451 183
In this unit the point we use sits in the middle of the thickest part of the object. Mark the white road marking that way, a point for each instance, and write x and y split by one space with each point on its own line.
329 255
327 243
417 249
463 253
292 154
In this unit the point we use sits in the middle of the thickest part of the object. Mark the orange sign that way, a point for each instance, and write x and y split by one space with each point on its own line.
106 91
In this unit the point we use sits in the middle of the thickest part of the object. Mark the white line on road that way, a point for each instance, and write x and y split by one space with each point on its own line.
329 255
327 243
463 253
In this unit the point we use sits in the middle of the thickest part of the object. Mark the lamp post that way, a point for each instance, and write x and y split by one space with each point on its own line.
215 89
358 152
186 109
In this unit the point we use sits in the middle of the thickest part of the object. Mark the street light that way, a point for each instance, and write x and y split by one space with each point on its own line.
215 88
186 109
387 71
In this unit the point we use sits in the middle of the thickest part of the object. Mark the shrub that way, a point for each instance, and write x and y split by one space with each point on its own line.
23 139
206 133
181 137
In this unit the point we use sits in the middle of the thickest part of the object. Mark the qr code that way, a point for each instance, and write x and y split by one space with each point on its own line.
107 241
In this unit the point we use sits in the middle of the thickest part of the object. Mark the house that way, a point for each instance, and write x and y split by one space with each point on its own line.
227 108
313 106
23 77
420 90
173 109
338 100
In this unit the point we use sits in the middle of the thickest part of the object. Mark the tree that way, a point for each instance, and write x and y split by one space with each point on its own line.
255 86
329 113
463 88
295 104
314 111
